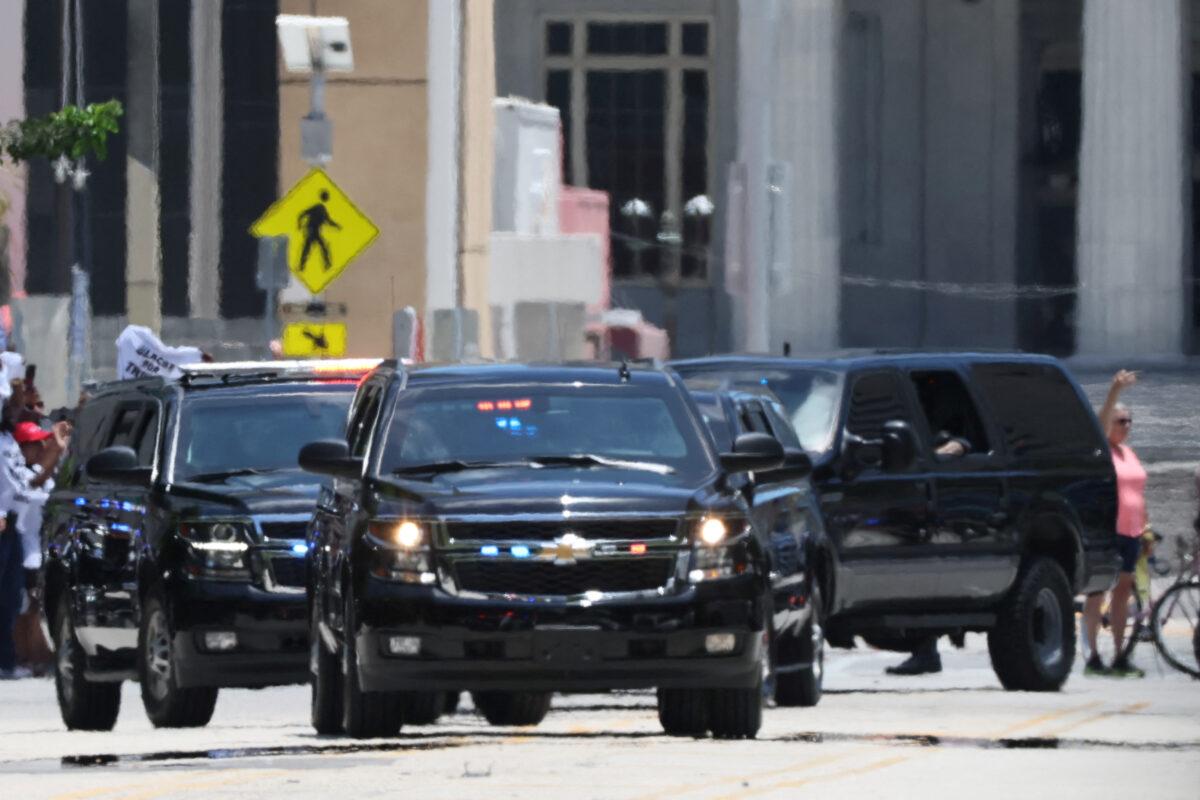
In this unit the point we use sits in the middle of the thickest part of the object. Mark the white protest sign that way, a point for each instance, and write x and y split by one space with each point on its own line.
140 354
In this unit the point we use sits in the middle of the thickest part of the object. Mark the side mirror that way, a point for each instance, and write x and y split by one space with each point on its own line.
118 465
330 457
899 446
796 464
753 452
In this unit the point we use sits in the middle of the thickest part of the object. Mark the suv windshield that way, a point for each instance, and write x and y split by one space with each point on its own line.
811 397
639 428
239 431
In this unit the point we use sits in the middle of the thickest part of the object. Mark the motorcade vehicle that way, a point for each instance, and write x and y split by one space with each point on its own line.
958 492
518 530
175 538
784 507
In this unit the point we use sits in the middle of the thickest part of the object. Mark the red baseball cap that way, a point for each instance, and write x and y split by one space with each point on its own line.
27 432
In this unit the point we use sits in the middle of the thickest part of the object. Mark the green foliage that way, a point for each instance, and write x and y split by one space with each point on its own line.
73 132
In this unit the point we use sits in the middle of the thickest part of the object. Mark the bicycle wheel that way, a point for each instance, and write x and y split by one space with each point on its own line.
1174 623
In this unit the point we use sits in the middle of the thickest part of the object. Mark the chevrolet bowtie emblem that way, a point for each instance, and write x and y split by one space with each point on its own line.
567 549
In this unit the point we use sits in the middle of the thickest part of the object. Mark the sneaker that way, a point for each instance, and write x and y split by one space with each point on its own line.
917 664
1121 668
15 674
1095 666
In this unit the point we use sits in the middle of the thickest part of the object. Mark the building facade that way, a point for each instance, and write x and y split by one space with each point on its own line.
913 173
211 138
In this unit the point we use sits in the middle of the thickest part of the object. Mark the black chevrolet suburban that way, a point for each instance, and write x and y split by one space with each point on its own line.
519 530
960 492
175 539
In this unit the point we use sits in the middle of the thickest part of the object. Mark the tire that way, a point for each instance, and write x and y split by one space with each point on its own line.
84 705
683 712
512 708
422 708
365 715
326 679
803 687
167 704
735 713
1033 642
1176 611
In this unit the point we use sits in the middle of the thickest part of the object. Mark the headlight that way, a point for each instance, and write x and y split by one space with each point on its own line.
405 534
712 531
218 548
217 537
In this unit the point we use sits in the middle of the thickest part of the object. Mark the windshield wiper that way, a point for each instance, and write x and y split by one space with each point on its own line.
222 475
592 460
439 467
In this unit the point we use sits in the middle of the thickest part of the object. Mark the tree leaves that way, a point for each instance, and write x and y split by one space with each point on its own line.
73 132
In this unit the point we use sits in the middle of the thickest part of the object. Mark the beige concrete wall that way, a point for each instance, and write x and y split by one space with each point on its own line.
478 91
379 115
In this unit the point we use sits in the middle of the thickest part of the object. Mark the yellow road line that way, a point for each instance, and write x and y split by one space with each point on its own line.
1047 717
834 776
1129 709
799 766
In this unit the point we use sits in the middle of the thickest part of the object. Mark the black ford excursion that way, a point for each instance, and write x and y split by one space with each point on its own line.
960 492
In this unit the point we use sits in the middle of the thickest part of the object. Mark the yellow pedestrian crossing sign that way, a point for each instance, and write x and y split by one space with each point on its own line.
325 230
314 340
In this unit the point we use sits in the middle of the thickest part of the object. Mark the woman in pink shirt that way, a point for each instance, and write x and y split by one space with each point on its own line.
1117 419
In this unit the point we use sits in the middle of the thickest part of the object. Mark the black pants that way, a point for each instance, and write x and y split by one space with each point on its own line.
12 591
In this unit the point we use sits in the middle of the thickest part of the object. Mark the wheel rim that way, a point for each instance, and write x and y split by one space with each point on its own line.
818 642
158 656
1047 628
64 661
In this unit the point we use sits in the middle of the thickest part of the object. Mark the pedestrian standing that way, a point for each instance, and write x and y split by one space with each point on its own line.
12 578
1117 419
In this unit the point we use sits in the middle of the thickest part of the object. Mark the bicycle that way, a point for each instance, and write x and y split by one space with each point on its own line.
1175 616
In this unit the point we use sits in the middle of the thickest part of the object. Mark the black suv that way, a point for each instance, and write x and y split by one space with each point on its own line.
515 531
175 539
960 492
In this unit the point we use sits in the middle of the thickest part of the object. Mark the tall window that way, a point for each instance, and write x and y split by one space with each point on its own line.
636 111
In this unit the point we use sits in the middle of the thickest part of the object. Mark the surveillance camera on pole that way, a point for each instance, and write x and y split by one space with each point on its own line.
313 46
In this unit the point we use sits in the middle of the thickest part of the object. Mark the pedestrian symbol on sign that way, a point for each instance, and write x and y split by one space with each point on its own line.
311 220
322 226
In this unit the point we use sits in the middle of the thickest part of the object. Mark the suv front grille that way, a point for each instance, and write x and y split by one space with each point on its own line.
546 578
288 571
594 530
297 529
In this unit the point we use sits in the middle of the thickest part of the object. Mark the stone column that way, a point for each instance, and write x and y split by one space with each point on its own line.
143 258
804 240
1133 186
207 124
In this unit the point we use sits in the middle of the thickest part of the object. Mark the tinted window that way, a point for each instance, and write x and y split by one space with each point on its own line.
713 413
148 437
949 410
811 398
263 429
781 428
876 398
1038 409
124 430
514 423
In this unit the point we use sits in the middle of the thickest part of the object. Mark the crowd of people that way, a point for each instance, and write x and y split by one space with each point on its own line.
31 446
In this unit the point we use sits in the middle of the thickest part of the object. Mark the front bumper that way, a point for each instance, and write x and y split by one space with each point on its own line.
544 646
271 629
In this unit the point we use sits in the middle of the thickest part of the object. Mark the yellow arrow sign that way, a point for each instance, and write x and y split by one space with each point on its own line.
325 230
314 340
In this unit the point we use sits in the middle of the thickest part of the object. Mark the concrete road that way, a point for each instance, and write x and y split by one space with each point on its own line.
953 735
